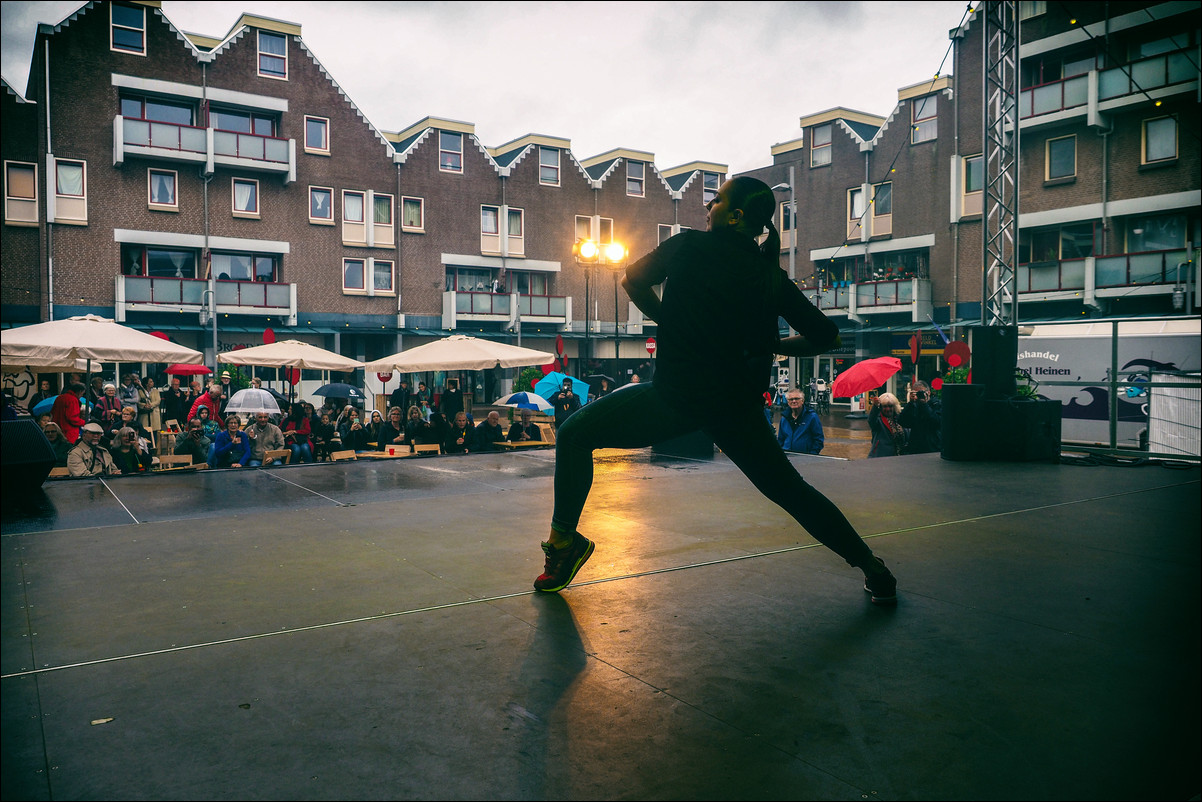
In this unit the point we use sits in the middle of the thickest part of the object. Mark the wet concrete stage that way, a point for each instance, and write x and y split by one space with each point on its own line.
367 630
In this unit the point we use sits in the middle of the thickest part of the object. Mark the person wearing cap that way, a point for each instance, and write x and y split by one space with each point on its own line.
212 400
227 390
107 411
89 458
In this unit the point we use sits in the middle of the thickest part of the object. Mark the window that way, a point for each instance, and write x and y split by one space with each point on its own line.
321 205
584 227
382 210
1160 140
820 145
242 122
353 272
466 279
70 191
489 216
548 166
354 224
1055 244
1162 232
242 266
382 275
786 218
524 283
450 152
925 124
317 135
352 207
635 177
972 193
1032 8
709 186
150 260
605 230
413 214
273 55
246 197
161 190
1061 158
515 241
664 232
127 29
382 224
160 111
855 213
20 193
882 199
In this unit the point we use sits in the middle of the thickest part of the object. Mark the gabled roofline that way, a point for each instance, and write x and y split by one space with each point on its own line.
695 166
840 113
619 153
532 139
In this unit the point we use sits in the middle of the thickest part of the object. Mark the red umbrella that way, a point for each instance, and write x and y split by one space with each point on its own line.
863 376
188 370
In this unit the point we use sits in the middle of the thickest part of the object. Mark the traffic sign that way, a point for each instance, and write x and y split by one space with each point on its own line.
651 346
384 377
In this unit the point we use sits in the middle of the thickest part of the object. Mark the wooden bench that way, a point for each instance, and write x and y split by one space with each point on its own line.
60 473
272 454
338 456
172 462
427 448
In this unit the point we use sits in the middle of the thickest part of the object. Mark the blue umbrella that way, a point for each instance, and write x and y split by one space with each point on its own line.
552 383
43 406
524 401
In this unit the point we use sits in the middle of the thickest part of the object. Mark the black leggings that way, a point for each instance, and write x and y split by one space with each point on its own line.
637 416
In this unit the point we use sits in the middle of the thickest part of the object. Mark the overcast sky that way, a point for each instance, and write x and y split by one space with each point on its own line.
719 82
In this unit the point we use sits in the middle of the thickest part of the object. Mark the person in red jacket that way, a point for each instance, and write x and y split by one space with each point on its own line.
66 412
212 400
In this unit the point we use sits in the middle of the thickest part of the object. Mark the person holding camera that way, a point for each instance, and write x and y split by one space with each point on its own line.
923 417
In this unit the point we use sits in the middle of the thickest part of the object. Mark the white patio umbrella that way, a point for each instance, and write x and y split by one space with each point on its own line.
59 344
252 400
290 354
460 352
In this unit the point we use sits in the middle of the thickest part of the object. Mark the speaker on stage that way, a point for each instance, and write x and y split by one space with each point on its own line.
1024 431
25 454
994 359
964 428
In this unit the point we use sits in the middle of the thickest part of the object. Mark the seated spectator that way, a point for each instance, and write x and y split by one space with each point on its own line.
459 436
127 453
392 431
211 400
298 434
67 411
107 411
194 444
353 432
525 430
375 427
59 443
89 458
264 436
129 418
324 438
489 433
231 448
417 428
210 426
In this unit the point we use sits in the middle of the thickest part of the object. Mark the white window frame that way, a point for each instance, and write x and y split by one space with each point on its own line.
113 27
926 127
1143 150
971 200
421 214
391 288
821 137
363 266
663 233
1047 158
514 244
708 192
260 53
158 206
249 214
318 150
321 221
20 210
70 208
441 150
544 165
354 232
637 183
490 240
383 234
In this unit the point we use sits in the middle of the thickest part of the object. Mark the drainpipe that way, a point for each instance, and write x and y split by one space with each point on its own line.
50 177
953 315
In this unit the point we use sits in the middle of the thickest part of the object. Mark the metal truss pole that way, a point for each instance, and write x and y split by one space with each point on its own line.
999 295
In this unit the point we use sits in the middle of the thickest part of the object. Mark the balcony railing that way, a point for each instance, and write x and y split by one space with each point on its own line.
884 293
1051 276
488 303
174 142
188 294
167 136
1146 74
250 146
1134 269
1054 96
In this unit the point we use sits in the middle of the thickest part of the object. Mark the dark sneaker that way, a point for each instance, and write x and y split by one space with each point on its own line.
883 588
562 564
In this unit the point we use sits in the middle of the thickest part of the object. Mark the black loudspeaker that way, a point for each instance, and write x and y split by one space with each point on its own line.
1024 431
695 445
964 430
994 359
25 454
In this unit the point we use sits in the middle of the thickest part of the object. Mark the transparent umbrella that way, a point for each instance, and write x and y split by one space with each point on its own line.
251 401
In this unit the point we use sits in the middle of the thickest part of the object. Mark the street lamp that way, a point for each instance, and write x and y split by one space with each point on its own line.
590 254
792 188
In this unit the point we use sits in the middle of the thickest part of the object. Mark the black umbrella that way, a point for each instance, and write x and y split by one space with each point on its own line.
340 391
597 377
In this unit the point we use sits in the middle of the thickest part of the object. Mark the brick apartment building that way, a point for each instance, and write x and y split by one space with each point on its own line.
147 170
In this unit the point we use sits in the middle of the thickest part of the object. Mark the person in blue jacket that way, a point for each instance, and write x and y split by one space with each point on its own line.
800 429
231 447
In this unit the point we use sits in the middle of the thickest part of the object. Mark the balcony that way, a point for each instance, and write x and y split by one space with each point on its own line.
912 296
504 308
168 294
1101 277
208 146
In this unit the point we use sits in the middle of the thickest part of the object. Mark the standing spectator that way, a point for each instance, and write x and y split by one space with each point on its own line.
400 396
96 390
924 420
176 403
422 394
108 409
150 403
45 390
451 403
525 430
264 436
888 435
231 447
227 390
489 433
459 436
298 434
195 444
67 413
89 458
129 390
211 400
565 402
800 428
427 411
54 435
128 454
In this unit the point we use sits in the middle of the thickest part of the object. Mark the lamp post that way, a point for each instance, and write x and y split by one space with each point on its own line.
590 254
792 187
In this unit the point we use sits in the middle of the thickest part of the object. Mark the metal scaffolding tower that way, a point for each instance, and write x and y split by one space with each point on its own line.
999 293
